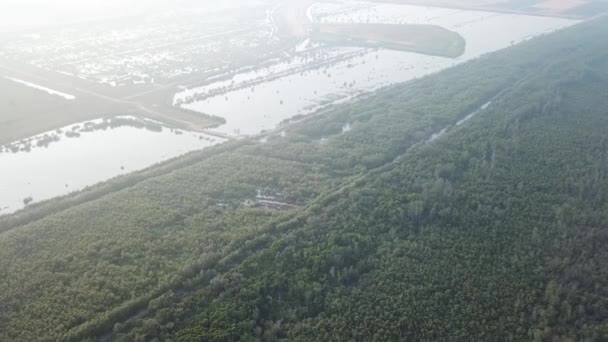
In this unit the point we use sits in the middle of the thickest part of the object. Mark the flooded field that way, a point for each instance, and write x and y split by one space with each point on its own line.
236 67
74 157
261 100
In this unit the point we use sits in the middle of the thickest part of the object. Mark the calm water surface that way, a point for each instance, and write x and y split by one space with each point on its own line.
59 162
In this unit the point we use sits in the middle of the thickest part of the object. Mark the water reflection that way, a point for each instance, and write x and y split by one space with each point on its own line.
69 159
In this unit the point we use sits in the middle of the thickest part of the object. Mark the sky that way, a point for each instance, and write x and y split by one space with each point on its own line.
18 15
22 15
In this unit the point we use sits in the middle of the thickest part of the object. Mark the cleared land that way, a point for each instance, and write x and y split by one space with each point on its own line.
27 111
425 39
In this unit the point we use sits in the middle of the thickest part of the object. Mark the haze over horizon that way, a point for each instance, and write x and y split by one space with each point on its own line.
20 15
